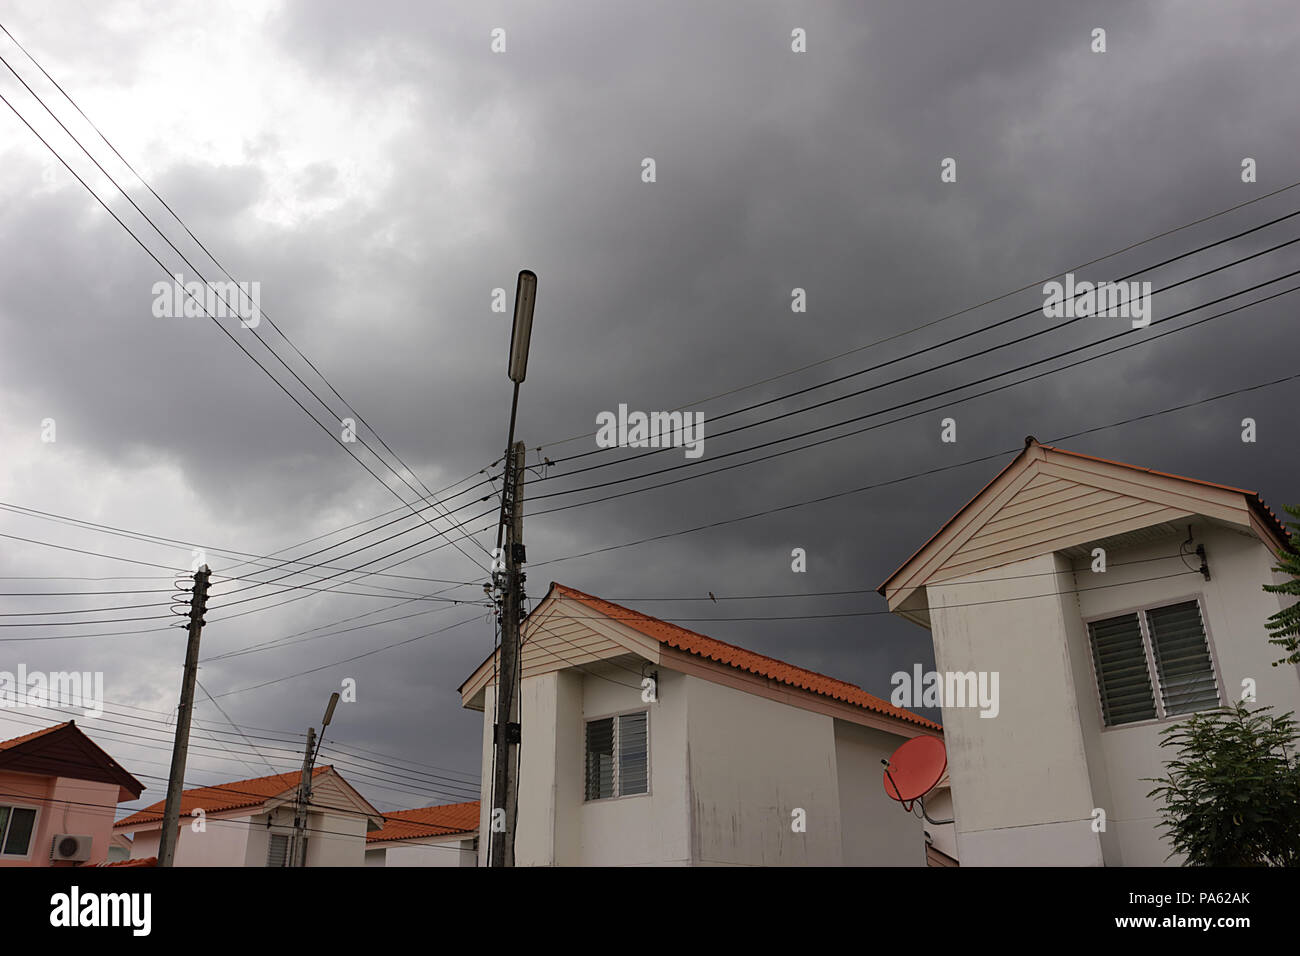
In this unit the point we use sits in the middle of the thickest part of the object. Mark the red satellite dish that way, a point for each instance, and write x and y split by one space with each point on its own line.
914 769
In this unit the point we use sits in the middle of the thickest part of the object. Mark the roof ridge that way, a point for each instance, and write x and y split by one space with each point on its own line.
244 798
32 735
735 647
1149 470
843 687
1253 498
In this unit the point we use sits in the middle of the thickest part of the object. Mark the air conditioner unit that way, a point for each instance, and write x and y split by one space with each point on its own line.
69 847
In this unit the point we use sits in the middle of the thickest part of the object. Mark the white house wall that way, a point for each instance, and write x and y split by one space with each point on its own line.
727 768
333 838
144 844
944 835
643 829
223 842
876 831
428 851
1027 784
1085 693
1021 789
753 762
1235 609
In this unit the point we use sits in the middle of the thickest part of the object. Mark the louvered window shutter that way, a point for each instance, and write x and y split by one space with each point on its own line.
1123 677
1182 655
277 850
600 758
633 775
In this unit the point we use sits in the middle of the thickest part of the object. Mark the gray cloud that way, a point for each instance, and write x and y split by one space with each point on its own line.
775 171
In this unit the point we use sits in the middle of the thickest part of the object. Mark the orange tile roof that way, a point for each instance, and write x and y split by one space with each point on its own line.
445 820
15 741
226 796
711 649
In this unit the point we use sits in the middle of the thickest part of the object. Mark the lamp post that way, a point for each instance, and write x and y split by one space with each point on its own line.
299 855
507 733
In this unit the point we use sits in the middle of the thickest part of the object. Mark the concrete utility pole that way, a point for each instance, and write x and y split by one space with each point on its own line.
298 845
298 848
507 731
180 749
512 662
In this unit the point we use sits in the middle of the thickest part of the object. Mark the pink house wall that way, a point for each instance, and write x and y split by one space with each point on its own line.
63 805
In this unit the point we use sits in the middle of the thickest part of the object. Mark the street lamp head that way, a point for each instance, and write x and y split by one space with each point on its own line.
329 711
525 297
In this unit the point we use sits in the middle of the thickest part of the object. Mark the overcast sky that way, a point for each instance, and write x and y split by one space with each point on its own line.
379 170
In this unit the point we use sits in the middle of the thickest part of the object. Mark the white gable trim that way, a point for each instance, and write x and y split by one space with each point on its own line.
1047 500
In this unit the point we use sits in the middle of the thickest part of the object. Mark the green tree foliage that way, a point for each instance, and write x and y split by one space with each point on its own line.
1231 795
1284 626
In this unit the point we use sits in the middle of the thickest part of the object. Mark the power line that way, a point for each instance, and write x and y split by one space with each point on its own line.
910 477
287 641
980 304
192 545
288 754
951 362
200 275
349 660
1139 342
1088 345
430 495
854 591
636 616
292 745
700 474
964 311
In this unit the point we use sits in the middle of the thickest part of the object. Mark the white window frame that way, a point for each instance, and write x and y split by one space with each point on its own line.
1149 651
31 841
648 776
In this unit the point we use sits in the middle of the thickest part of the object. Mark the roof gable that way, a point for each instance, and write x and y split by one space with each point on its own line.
619 630
561 633
1049 499
64 751
254 794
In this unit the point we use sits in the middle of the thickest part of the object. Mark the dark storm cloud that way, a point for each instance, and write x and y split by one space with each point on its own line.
775 171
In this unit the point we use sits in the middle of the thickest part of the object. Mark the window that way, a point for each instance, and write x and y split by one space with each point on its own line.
618 756
277 850
16 826
1153 663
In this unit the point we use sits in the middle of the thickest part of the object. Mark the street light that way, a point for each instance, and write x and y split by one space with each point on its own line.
525 297
299 855
329 712
520 336
510 581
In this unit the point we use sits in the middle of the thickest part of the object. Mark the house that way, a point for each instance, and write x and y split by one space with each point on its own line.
249 823
58 794
1111 601
644 743
428 836
119 848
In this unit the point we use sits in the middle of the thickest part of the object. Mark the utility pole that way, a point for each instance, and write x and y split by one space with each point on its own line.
180 749
298 845
302 806
512 616
507 731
